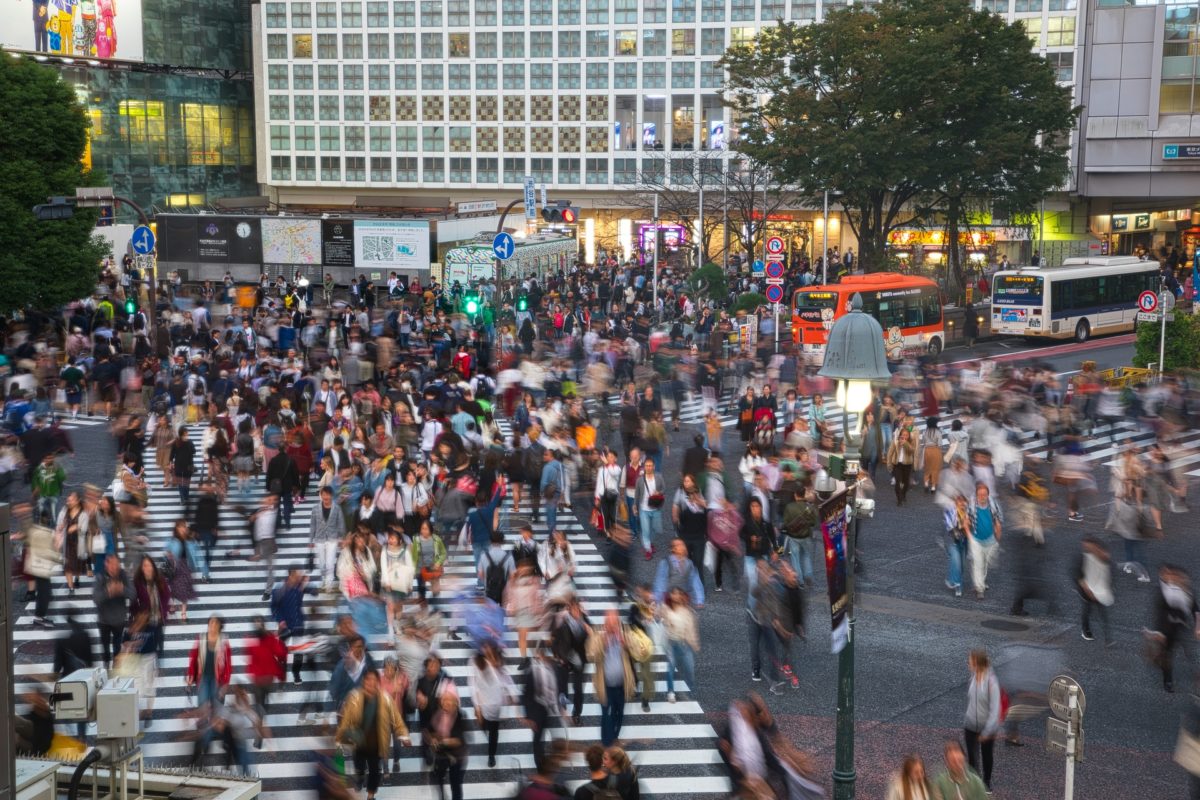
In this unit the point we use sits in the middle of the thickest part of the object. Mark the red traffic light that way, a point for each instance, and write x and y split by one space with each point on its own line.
568 216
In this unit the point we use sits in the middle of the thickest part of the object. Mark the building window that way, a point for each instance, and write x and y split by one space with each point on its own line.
301 15
712 10
406 139
1001 6
378 47
1027 6
806 9
654 42
281 137
302 46
327 46
302 106
597 44
329 107
377 14
514 108
683 42
513 44
351 15
568 12
1033 29
568 170
541 12
406 45
683 10
352 108
460 139
485 77
458 13
683 74
277 45
326 15
352 46
281 168
279 107
406 76
513 13
460 77
712 41
773 10
431 45
711 75
404 14
406 169
597 12
1064 66
460 170
1060 32
305 137
431 13
568 44
485 45
356 168
514 76
460 45
568 76
541 44
306 168
381 170
378 77
434 169
432 108
541 76
514 170
625 170
485 13
742 10
626 12
433 138
597 75
352 138
302 76
275 15
597 170
381 139
654 75
625 75
654 11
739 37
486 171
432 77
626 43
541 170
352 77
331 138
327 77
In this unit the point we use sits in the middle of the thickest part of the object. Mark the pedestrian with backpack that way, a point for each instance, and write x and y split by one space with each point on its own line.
495 567
601 785
613 681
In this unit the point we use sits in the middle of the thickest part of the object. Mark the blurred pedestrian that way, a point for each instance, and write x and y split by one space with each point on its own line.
491 689
1176 620
266 663
210 664
612 681
958 781
957 523
981 723
446 746
986 522
682 636
369 720
909 782
1093 581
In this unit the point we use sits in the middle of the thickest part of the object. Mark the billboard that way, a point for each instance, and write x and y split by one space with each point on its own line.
337 243
209 239
287 240
384 245
82 29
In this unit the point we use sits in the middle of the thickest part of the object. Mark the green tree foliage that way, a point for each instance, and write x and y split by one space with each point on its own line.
1183 343
900 108
43 133
709 282
749 301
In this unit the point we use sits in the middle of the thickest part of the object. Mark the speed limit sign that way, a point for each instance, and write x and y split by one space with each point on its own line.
1148 302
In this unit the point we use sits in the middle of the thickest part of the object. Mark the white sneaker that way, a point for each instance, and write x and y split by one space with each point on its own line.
670 697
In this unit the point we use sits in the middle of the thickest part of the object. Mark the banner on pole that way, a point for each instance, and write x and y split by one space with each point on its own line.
833 534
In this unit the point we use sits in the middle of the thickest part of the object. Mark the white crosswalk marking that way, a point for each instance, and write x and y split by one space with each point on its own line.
672 744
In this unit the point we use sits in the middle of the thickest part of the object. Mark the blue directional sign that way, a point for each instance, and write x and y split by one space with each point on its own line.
142 240
759 266
503 246
1174 151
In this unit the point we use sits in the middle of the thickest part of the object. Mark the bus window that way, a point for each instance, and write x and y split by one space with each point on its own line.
1060 296
1086 293
816 300
931 305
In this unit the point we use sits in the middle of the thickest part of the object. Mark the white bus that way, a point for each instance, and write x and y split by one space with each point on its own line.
1083 297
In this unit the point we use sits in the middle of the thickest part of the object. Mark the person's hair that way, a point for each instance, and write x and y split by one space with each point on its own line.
619 758
698 439
219 620
594 757
931 423
956 425
980 659
911 762
496 537
951 746
368 672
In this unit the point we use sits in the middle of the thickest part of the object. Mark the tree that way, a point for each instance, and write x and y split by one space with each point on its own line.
1183 343
751 195
902 107
679 194
708 281
43 133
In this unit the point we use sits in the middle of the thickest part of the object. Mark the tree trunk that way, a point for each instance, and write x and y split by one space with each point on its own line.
953 250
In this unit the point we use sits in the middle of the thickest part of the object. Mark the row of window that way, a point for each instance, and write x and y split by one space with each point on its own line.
1060 31
570 44
465 138
384 169
516 13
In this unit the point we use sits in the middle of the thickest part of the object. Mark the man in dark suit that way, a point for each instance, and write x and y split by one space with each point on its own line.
695 458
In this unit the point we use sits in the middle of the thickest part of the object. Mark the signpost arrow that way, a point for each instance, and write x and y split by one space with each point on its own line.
142 240
503 246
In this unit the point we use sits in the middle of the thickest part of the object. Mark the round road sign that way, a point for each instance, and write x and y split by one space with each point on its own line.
1148 301
774 269
775 244
1059 695
775 293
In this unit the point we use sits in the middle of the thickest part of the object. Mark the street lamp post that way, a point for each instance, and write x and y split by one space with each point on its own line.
854 358
825 241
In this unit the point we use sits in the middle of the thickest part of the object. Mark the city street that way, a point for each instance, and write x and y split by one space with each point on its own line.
912 635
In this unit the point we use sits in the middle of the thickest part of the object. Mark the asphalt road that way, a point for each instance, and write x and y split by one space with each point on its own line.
913 635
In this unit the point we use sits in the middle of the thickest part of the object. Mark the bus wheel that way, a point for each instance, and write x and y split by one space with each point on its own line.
1083 331
935 346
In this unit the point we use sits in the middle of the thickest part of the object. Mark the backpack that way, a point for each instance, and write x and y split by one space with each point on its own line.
494 578
606 791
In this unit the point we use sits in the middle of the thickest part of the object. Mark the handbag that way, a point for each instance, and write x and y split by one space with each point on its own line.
431 573
723 529
656 500
597 519
641 648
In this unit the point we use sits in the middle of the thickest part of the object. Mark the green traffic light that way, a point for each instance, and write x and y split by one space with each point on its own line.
130 306
472 306
522 304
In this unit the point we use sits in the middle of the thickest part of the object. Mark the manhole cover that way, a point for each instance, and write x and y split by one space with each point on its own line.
1004 625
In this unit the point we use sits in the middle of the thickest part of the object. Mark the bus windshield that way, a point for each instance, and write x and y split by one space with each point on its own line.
1023 290
816 299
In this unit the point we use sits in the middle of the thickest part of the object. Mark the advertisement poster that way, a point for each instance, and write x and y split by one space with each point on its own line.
391 244
649 134
337 243
833 534
74 28
716 135
287 240
228 240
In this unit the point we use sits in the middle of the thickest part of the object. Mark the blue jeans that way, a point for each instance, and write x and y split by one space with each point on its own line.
206 693
649 526
635 525
680 657
551 507
197 555
1135 552
478 549
957 552
612 714
750 563
799 553
47 508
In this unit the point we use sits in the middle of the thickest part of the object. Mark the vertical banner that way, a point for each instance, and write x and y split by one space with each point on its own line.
530 200
833 533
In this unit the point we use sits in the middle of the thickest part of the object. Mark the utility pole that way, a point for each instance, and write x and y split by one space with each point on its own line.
654 288
825 242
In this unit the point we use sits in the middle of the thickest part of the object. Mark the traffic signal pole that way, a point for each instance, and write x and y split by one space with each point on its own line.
152 317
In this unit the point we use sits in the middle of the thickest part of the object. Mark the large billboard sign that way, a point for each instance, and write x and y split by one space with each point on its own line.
83 29
391 244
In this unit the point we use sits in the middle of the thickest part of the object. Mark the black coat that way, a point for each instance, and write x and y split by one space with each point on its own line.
282 469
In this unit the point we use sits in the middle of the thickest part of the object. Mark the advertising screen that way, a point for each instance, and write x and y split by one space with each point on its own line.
1017 290
209 239
337 243
391 244
82 29
287 240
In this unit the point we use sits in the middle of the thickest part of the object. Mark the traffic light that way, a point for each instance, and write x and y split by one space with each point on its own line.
560 212
57 208
522 303
471 304
131 306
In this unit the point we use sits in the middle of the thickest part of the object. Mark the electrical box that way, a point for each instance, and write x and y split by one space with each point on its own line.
117 710
75 695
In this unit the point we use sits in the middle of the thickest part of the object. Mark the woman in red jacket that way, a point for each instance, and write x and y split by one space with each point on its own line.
210 664
267 663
